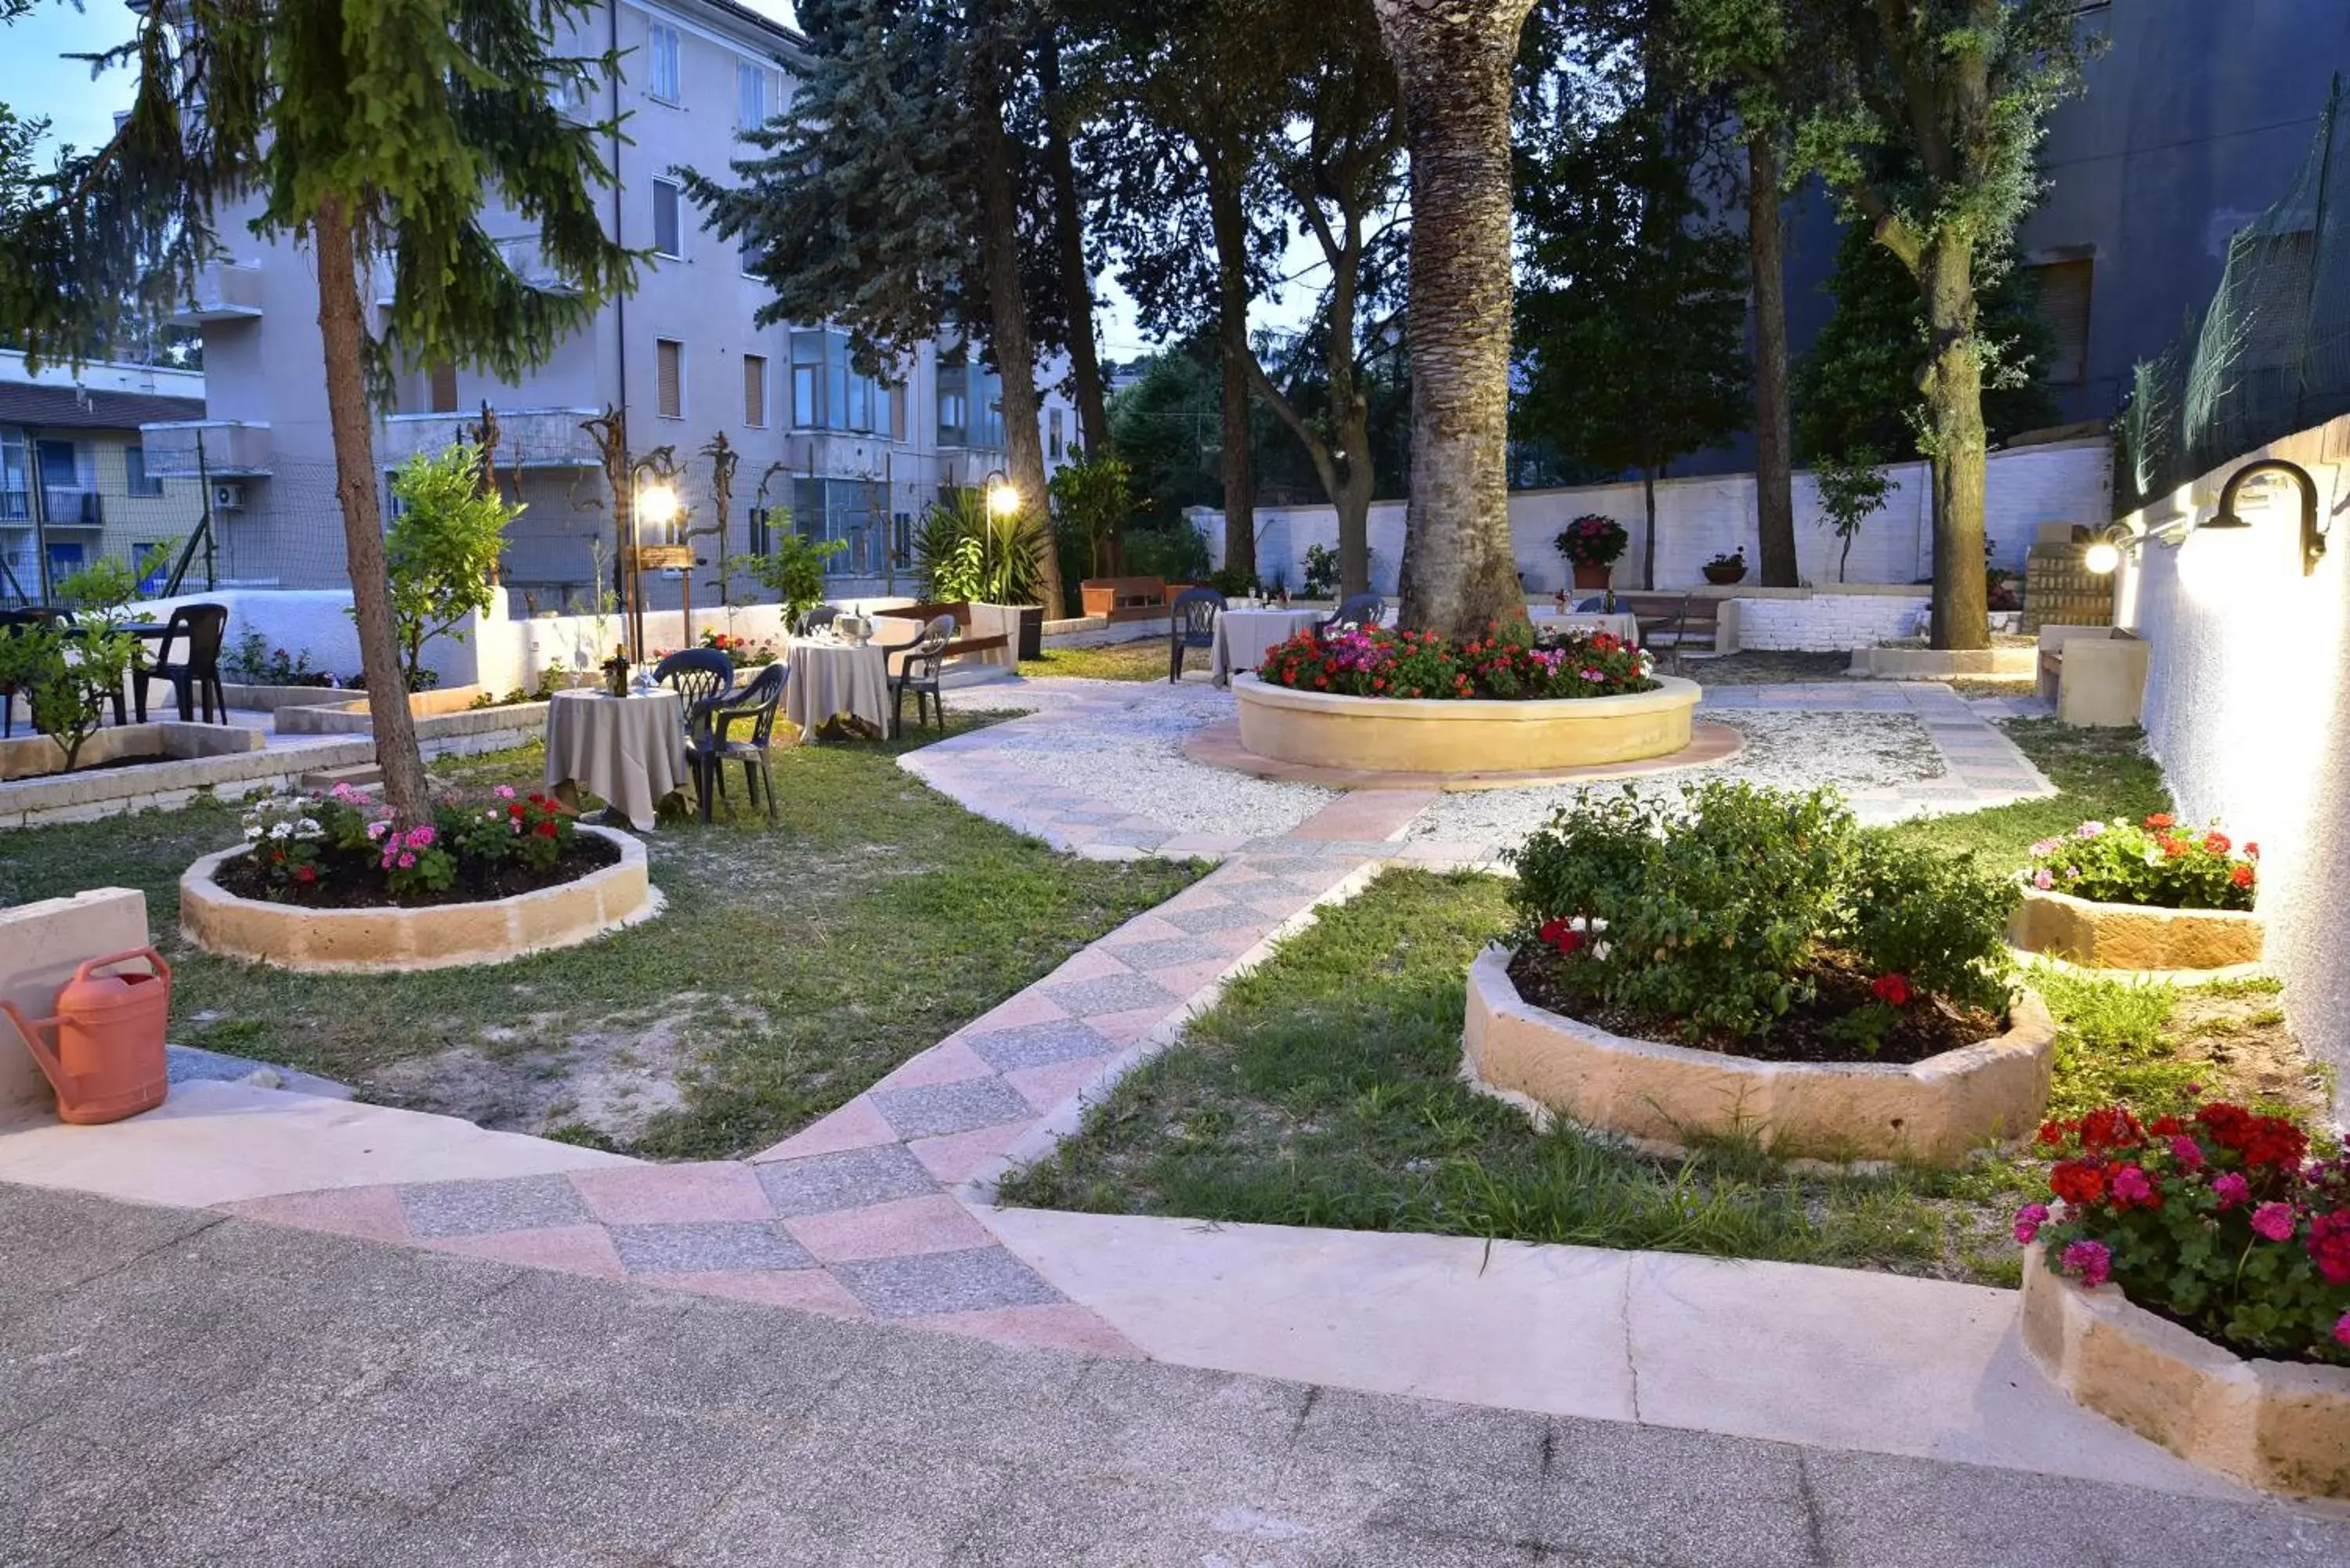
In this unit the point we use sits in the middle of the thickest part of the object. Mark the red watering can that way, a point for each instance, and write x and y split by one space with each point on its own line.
109 1059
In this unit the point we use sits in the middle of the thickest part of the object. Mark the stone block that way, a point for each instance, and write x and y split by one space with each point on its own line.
2133 936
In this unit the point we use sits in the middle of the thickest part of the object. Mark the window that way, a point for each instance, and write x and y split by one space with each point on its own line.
669 377
442 392
152 584
970 406
750 96
754 389
1052 433
749 252
668 225
667 81
845 509
16 477
954 405
828 392
138 482
2064 287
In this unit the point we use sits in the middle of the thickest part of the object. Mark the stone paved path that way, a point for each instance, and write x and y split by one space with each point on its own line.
874 1210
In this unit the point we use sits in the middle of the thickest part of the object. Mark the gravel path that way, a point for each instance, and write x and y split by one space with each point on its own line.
1794 749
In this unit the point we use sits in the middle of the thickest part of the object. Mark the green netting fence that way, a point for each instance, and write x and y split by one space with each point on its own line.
2269 355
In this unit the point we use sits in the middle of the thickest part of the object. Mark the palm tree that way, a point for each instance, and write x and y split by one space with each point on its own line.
1454 59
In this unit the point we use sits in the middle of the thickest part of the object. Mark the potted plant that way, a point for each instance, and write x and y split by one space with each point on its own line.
2207 1256
1727 568
1751 962
2149 895
1592 543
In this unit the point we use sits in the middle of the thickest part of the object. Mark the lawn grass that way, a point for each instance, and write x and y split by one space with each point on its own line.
1142 659
2098 773
793 967
1321 1089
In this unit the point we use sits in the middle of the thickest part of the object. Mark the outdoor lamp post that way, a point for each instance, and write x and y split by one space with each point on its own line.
655 503
1002 496
2107 553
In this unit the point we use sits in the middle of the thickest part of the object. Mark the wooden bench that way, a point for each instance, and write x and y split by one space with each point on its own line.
1691 619
1123 599
964 645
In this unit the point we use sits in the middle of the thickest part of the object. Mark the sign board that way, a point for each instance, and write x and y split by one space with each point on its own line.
662 558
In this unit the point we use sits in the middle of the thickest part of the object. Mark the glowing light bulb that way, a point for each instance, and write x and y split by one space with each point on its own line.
656 505
1003 499
2102 557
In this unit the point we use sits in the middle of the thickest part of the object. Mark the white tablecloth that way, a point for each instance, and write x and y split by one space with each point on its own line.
1623 624
829 679
630 750
1242 636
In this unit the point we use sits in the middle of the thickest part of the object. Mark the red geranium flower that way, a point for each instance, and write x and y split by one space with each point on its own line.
545 829
2242 876
2077 1180
1891 989
2158 821
2216 843
306 873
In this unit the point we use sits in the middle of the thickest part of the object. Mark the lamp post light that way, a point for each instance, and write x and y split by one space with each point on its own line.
655 503
1002 496
2107 553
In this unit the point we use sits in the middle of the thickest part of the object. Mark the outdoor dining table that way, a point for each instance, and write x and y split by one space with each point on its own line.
630 750
1622 624
831 675
1244 637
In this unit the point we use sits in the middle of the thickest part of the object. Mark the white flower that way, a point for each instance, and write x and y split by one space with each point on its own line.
252 830
307 827
281 830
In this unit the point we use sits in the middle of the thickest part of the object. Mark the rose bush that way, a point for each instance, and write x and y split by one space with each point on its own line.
344 841
2214 1217
1507 663
1719 912
2155 862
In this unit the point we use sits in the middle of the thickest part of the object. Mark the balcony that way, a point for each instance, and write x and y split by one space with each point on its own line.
62 506
530 264
232 448
527 438
224 292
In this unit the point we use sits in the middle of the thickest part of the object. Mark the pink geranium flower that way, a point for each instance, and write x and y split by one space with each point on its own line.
2093 1260
2341 1329
2187 1151
2231 1190
2273 1222
2028 1221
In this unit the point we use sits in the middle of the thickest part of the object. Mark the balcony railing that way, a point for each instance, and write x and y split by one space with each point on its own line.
527 438
224 292
62 506
232 448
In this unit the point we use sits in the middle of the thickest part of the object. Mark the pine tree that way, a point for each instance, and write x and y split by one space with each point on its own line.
373 133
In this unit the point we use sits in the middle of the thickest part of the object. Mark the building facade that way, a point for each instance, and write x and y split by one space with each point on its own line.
821 449
75 483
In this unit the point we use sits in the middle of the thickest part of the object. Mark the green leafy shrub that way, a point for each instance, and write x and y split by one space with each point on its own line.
442 551
1321 573
254 662
67 681
794 572
963 552
2153 863
1716 914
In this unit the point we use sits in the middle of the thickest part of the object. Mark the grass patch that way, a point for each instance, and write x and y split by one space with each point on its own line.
1142 659
793 966
2098 773
1321 1090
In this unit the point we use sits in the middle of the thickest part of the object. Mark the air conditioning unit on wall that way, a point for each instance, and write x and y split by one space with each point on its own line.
228 497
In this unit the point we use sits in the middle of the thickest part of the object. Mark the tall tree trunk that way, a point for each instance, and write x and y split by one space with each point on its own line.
1775 480
1453 61
1648 536
1015 354
1953 388
1076 276
1230 221
342 334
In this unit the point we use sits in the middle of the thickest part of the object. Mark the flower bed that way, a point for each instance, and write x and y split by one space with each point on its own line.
2118 895
2224 1239
1507 665
329 882
1751 961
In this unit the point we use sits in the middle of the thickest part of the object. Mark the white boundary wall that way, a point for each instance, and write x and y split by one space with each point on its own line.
2062 481
2248 707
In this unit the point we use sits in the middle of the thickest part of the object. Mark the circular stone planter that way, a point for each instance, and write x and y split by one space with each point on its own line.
2280 1424
2134 935
435 936
1936 1112
1422 735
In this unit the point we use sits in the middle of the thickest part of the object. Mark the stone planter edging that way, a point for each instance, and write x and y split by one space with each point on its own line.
1936 1111
1430 735
1930 663
2283 1426
439 936
2134 935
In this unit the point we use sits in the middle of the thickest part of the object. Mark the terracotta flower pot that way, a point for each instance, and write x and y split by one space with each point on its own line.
1590 576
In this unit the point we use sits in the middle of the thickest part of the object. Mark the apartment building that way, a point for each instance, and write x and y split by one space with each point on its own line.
850 457
75 485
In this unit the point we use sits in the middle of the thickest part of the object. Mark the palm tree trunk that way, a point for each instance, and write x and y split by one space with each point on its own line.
1774 479
1008 342
342 335
1454 62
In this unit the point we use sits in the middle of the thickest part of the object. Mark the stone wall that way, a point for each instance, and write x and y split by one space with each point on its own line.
2062 481
1821 623
2248 707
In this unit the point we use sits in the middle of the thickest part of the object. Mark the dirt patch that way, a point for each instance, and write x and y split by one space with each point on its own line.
2253 1057
534 1077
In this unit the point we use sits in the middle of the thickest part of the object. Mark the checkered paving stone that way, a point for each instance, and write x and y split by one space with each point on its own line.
925 1284
929 1110
1213 918
1036 1045
441 1208
1166 952
1112 993
844 1180
706 1247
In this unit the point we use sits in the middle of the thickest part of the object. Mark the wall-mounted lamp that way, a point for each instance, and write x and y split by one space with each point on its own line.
2312 537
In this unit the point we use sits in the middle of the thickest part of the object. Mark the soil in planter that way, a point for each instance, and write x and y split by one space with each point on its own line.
353 882
1923 1029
